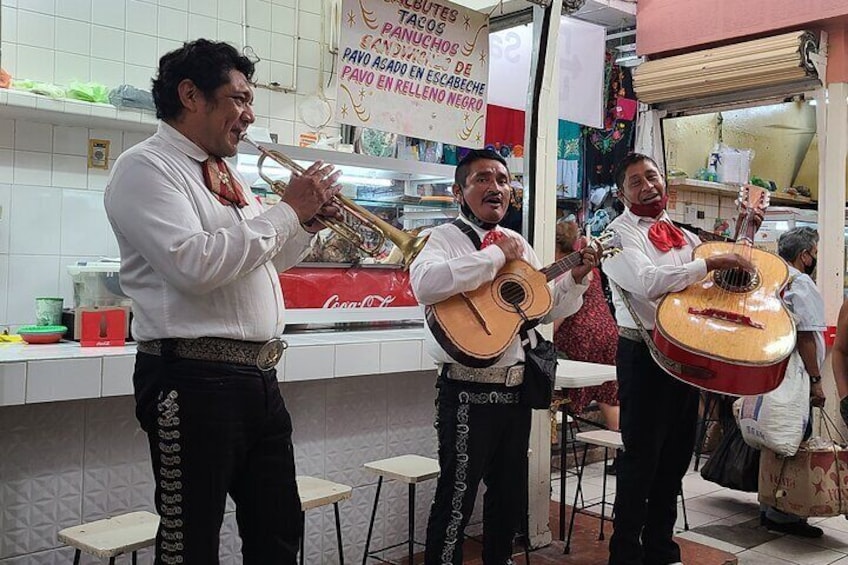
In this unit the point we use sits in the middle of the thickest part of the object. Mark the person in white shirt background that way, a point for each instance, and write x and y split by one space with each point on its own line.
799 247
482 427
200 259
658 413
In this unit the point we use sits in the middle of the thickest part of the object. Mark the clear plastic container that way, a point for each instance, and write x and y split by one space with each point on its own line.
97 284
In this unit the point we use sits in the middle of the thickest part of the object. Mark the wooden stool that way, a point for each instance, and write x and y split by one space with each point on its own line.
315 493
410 469
607 439
113 536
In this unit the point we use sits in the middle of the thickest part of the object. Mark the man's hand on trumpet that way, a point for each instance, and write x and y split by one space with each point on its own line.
310 192
328 210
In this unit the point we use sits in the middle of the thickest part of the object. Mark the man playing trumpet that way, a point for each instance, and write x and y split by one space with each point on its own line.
199 258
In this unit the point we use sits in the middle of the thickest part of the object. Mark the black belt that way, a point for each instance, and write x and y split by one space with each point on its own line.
263 355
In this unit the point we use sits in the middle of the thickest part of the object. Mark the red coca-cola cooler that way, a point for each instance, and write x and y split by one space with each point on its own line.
317 293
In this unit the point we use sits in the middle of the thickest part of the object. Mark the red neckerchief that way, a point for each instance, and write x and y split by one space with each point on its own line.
220 181
492 236
665 235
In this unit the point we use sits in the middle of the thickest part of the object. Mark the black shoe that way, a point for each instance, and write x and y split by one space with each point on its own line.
801 529
611 468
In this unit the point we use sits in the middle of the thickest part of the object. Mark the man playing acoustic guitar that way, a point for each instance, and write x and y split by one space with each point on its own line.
483 428
658 412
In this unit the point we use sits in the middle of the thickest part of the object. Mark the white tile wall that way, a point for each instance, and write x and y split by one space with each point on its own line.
114 42
68 462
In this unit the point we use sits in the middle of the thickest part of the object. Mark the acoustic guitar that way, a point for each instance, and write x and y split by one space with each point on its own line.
730 332
475 328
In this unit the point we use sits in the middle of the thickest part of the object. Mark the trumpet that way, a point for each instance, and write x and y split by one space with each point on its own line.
369 223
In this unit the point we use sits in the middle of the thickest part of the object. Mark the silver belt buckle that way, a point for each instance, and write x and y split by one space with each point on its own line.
270 353
514 375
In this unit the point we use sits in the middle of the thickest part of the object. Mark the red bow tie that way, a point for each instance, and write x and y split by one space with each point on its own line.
665 235
491 237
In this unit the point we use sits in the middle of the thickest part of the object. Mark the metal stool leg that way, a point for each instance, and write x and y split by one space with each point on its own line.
411 521
111 561
77 557
574 507
339 533
562 474
604 494
302 536
683 504
134 558
371 524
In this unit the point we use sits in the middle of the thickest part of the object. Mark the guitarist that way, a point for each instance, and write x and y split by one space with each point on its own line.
483 431
658 412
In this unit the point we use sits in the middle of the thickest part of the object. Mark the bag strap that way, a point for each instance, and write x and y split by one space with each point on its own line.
659 356
469 231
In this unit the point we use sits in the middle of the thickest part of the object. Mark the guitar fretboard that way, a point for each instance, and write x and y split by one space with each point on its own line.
564 265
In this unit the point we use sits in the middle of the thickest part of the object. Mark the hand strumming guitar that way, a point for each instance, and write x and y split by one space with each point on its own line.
728 261
512 247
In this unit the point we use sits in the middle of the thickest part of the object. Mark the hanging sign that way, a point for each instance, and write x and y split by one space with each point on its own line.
415 68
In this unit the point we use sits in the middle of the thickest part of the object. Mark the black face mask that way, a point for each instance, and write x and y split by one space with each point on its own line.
466 211
809 269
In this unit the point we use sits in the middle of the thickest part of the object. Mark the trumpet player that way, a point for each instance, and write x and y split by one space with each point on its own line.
199 259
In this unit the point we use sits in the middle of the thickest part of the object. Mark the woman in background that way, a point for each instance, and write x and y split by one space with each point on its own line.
591 335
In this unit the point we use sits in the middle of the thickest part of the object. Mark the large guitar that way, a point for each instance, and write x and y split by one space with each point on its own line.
475 328
730 332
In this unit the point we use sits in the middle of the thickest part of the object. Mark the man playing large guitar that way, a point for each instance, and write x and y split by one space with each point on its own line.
658 412
483 430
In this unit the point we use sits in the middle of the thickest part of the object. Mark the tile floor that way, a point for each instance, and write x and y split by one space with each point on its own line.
718 516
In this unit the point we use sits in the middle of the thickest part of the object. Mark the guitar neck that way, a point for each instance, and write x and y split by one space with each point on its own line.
564 265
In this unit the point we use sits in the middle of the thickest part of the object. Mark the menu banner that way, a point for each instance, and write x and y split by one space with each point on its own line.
414 67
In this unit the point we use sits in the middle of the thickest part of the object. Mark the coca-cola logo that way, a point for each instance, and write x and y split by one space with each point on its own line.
368 301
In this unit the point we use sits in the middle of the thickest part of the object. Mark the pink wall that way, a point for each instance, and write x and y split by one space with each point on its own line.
664 26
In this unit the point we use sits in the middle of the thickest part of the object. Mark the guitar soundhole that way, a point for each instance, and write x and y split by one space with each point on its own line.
736 280
512 292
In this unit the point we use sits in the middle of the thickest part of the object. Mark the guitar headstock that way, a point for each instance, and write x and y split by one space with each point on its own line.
607 244
752 201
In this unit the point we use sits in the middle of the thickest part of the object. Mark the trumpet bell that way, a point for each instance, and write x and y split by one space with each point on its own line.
364 229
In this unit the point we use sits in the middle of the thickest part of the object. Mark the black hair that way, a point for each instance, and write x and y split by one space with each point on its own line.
206 63
475 155
621 167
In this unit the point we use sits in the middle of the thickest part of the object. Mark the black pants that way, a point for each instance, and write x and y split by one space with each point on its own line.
658 417
216 429
483 434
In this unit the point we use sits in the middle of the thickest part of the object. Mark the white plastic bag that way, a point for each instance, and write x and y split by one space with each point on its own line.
777 420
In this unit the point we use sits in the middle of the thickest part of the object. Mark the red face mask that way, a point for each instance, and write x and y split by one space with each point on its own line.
651 210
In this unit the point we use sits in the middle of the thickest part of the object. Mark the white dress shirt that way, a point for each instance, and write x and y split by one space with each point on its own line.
803 299
450 264
646 272
193 266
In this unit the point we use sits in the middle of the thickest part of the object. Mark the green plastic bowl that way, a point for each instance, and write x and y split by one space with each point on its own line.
42 334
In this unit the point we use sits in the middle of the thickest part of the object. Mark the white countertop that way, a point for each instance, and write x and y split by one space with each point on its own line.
65 371
577 374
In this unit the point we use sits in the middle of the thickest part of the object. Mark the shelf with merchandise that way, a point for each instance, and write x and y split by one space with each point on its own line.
723 189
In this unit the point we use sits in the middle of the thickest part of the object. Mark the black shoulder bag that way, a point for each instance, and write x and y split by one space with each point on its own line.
540 365
540 362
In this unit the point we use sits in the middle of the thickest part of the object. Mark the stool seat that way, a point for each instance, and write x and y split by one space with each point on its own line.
113 536
604 438
315 492
410 469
